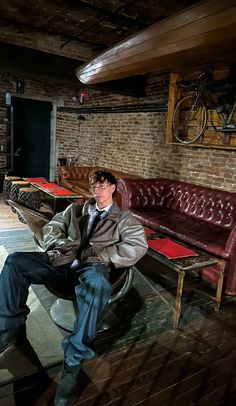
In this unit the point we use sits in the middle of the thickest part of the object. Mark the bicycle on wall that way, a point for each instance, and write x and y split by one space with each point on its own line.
191 112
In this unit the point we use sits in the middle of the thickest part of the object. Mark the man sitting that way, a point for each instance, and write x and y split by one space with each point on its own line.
83 245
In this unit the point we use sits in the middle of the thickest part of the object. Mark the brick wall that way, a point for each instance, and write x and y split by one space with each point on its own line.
131 142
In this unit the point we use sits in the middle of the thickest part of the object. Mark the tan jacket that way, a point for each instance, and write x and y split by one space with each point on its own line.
118 239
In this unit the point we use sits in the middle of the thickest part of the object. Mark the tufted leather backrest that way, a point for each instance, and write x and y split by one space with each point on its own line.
82 172
210 205
120 174
75 172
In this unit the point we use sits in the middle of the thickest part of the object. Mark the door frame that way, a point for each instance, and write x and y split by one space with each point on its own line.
53 123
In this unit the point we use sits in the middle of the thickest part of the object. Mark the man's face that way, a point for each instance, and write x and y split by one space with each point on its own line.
102 192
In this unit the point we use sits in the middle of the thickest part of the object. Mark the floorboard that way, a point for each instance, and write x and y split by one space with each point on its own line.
143 361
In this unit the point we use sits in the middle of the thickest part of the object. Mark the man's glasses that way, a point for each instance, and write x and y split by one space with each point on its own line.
95 188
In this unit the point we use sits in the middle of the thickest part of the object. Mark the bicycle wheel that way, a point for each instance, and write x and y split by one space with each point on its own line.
189 119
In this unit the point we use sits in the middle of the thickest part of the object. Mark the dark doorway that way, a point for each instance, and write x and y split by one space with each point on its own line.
32 120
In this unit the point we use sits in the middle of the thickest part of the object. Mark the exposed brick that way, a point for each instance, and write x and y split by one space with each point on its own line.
132 142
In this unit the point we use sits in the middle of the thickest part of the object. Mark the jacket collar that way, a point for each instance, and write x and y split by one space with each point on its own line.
113 214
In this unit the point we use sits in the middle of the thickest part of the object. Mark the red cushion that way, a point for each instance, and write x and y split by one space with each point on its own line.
192 231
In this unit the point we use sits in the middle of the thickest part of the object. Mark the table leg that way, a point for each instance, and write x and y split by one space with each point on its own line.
178 300
220 285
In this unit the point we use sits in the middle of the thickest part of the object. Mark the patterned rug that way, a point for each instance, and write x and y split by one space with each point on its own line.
44 347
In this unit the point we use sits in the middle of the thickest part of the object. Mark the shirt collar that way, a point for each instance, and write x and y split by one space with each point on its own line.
93 207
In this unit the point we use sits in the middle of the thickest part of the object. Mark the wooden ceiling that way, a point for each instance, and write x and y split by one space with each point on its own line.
51 38
204 35
64 34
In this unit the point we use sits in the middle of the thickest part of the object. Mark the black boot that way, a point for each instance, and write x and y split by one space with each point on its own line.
11 337
67 388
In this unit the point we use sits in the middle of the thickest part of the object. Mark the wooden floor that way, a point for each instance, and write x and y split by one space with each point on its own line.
8 219
195 365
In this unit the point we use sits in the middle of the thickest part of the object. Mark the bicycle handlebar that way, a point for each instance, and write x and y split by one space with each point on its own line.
187 84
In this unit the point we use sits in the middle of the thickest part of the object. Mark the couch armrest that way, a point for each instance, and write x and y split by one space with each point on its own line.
141 193
231 242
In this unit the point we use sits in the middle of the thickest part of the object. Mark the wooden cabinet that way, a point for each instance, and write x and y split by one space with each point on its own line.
6 139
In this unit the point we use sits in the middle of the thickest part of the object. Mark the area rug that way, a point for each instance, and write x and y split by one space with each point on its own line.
44 347
17 240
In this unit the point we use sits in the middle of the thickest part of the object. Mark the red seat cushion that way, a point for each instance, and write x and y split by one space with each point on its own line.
197 233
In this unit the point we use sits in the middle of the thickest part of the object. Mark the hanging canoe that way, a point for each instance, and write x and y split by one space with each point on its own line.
201 34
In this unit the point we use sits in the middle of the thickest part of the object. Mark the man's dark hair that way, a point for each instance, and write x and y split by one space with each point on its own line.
102 176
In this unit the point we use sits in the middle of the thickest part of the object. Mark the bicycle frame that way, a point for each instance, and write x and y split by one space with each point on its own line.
194 108
190 113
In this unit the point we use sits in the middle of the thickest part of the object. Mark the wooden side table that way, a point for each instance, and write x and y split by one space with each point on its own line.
184 266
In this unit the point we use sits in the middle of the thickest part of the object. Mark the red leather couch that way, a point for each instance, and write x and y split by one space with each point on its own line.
202 217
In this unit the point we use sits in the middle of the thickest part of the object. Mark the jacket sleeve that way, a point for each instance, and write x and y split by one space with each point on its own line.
131 248
55 232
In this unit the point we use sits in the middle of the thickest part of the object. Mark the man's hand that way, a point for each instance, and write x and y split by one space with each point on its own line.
89 256
60 257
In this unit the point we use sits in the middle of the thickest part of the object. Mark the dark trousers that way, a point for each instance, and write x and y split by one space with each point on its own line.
92 288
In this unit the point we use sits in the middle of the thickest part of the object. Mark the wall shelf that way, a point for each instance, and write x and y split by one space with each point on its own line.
6 139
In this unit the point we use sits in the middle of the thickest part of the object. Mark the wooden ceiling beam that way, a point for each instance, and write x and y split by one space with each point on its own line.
203 31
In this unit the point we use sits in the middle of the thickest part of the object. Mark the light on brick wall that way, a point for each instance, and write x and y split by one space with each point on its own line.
20 87
83 95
